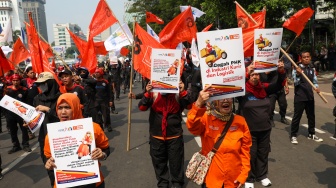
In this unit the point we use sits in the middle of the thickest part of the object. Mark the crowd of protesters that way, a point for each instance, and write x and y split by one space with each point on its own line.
97 92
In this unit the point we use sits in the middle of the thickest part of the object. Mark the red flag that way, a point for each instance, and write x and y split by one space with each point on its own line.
46 49
33 43
248 26
80 43
124 51
150 17
19 54
89 57
102 19
207 28
5 65
181 28
143 50
100 48
298 21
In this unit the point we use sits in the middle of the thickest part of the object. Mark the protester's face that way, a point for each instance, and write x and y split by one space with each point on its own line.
306 58
181 86
254 78
16 83
66 79
224 106
31 74
64 112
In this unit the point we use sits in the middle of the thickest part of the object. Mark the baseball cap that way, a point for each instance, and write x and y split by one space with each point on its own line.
16 77
65 71
44 76
99 71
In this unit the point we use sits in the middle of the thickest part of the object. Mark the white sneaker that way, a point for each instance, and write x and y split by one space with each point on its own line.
315 138
294 140
266 182
249 185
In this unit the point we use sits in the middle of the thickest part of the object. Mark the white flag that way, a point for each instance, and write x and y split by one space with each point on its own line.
6 50
152 33
194 53
195 11
180 46
7 33
119 39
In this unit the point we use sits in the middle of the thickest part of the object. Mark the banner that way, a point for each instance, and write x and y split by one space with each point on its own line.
28 113
119 38
222 62
71 143
267 44
165 70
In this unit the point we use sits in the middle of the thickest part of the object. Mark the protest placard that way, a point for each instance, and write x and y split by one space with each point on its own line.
28 113
165 70
222 62
267 44
71 143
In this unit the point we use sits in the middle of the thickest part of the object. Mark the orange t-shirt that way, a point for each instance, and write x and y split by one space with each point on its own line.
232 160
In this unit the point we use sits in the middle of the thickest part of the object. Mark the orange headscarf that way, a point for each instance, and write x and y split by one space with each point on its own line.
73 101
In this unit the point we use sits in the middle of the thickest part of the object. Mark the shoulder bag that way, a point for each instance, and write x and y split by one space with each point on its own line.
199 164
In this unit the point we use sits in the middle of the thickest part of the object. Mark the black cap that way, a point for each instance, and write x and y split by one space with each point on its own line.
65 71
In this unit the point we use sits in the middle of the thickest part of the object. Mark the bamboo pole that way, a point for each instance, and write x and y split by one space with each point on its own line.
129 123
304 75
248 15
289 46
120 24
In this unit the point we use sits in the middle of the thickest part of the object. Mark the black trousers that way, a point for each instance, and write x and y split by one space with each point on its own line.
281 98
116 88
13 122
168 156
259 155
309 107
103 107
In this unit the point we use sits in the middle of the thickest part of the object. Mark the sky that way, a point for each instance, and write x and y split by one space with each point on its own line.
77 12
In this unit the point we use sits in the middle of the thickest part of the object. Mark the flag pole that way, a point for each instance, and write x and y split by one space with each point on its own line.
57 56
289 46
248 15
129 40
130 99
303 74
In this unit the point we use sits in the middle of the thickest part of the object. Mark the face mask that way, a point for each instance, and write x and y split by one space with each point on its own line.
43 87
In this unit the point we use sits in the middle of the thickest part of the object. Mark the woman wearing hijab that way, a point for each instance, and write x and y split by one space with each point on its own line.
231 163
68 108
255 106
46 102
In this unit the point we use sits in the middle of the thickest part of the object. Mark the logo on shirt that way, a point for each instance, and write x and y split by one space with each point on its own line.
75 93
233 128
213 128
20 95
103 84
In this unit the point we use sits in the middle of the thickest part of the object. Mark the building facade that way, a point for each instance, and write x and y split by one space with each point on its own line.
62 37
11 9
36 7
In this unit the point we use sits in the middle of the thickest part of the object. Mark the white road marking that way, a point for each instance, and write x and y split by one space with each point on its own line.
19 159
304 125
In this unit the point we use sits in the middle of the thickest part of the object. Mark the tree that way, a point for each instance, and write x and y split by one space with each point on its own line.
70 51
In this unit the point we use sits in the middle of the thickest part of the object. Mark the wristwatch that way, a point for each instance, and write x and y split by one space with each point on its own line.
105 156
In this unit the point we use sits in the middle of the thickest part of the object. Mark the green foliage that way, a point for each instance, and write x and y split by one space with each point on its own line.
70 51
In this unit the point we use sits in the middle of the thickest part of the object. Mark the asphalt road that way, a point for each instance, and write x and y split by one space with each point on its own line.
308 164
